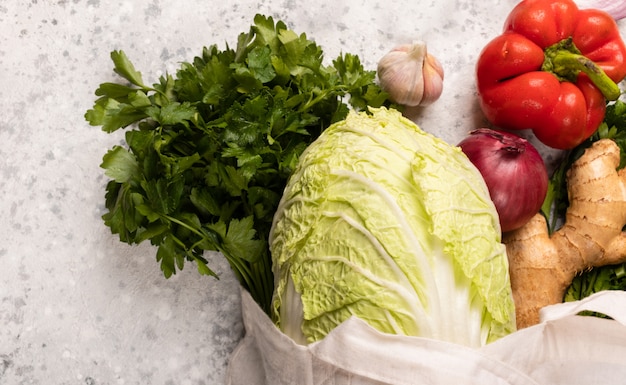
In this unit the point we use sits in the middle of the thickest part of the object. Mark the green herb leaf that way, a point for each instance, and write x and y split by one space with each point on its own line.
612 277
172 113
240 239
120 165
126 69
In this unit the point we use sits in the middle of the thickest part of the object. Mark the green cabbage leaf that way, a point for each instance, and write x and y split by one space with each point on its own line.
386 222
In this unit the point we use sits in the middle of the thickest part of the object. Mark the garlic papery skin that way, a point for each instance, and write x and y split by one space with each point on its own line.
410 75
433 80
615 8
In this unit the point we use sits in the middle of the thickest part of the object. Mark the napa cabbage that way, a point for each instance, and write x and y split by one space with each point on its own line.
386 222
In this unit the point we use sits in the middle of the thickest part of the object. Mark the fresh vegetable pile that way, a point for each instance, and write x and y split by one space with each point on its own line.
213 146
554 70
327 203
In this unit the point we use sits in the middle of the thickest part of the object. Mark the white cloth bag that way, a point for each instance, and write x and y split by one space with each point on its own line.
562 349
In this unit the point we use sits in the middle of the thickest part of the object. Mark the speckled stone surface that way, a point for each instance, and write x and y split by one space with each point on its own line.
76 305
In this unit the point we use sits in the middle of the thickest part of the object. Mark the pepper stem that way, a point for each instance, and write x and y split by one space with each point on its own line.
565 61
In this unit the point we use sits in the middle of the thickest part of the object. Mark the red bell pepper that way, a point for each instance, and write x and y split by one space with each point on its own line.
552 70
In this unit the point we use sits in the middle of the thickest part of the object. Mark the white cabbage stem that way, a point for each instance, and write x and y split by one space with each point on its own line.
615 8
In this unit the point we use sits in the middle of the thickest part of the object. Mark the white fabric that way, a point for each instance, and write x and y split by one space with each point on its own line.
563 349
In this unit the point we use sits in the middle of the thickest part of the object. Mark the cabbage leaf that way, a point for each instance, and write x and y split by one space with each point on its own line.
386 222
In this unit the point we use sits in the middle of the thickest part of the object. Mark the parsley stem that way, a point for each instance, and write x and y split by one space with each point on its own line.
185 225
260 288
313 101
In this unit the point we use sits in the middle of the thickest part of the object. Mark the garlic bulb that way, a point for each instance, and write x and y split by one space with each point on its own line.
410 75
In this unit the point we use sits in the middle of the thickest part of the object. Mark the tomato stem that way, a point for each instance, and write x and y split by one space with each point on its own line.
565 61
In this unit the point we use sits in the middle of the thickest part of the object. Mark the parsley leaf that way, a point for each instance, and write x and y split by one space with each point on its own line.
120 165
209 149
126 69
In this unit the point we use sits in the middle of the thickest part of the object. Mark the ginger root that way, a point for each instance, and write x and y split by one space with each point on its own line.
543 266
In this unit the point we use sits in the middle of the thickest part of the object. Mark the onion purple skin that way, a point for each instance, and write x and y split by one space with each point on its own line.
514 172
615 8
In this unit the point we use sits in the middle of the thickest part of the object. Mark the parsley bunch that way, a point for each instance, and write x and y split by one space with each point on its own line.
211 149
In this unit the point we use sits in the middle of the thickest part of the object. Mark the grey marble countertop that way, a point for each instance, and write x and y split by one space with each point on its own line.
76 305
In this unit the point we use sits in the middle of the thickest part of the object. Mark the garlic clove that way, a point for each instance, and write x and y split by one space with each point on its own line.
410 75
433 80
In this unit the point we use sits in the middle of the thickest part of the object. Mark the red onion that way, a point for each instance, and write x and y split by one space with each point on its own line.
615 8
514 172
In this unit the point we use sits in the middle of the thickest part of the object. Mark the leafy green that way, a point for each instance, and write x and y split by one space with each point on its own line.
388 223
208 150
611 277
